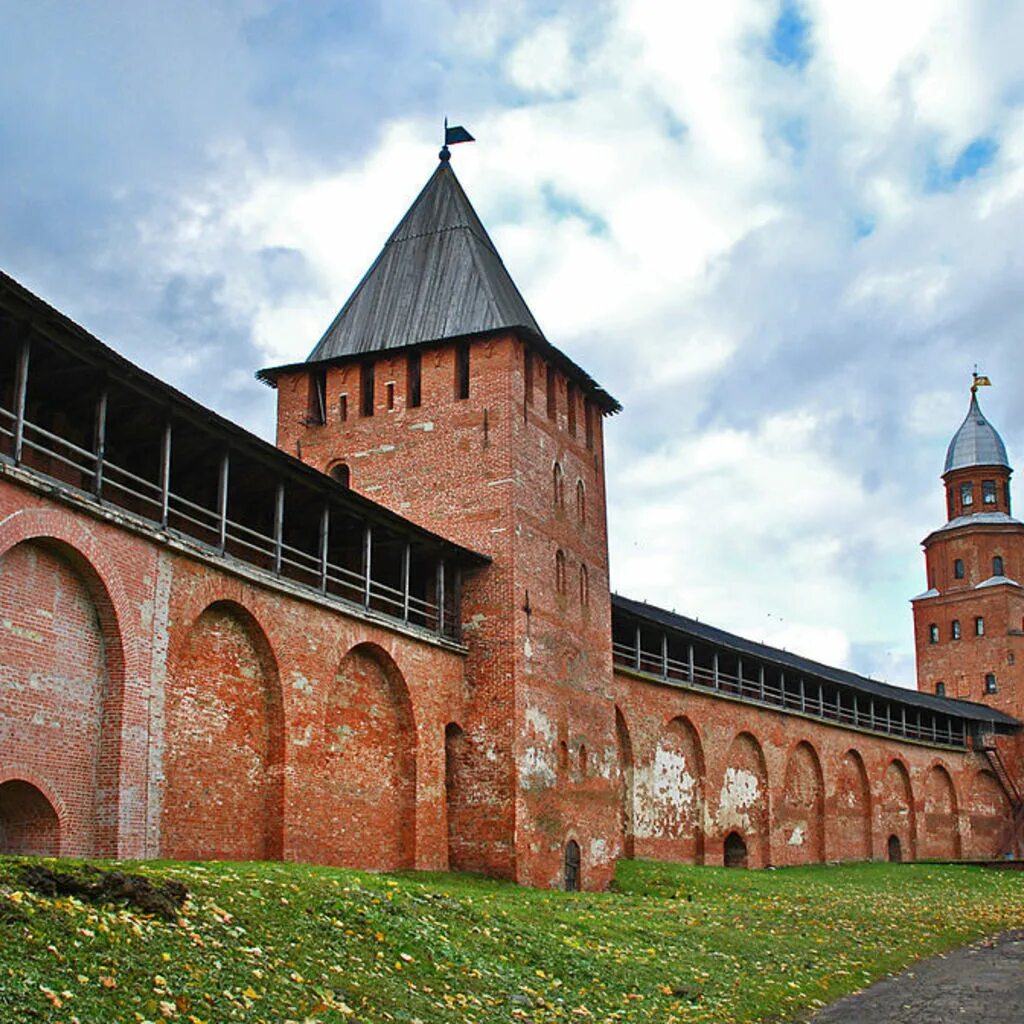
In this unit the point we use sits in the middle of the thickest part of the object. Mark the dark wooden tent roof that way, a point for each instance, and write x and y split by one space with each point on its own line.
438 278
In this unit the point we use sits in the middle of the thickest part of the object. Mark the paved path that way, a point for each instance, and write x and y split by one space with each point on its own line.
983 982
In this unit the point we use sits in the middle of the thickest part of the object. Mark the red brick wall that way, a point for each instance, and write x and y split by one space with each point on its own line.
796 790
481 471
228 701
963 664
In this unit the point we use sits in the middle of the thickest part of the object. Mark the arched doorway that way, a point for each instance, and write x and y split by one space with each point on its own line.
896 807
735 851
28 822
895 850
744 804
572 866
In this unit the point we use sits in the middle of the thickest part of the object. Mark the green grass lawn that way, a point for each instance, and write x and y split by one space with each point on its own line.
287 942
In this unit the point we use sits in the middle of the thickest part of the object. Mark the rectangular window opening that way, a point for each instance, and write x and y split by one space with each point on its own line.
342 407
366 389
979 626
966 495
990 683
389 390
462 370
988 492
552 398
316 413
413 372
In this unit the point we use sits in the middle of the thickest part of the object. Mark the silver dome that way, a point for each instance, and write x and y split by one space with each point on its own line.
976 443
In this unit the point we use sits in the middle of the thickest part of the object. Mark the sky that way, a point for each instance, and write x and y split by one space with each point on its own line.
781 233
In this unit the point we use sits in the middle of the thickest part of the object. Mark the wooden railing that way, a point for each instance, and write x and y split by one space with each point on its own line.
91 475
795 693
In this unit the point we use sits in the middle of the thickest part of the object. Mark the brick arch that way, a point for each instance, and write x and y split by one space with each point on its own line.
940 832
57 554
801 808
627 782
852 814
28 776
458 785
223 795
988 816
669 795
744 800
367 778
896 813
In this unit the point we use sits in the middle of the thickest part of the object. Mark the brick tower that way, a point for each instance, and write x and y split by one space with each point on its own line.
435 393
969 623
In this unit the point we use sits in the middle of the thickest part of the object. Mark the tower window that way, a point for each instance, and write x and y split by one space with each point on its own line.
316 413
462 370
581 502
341 474
933 633
342 408
366 389
560 571
997 566
558 486
413 378
966 495
988 492
389 389
979 625
552 398
570 398
955 630
588 423
958 569
940 689
1006 495
990 683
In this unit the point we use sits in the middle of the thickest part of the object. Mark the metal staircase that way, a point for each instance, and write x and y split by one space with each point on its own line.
1014 836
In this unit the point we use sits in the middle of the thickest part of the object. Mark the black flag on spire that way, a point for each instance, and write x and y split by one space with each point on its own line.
456 134
451 136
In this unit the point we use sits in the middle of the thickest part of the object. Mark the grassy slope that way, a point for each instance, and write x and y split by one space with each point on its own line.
277 942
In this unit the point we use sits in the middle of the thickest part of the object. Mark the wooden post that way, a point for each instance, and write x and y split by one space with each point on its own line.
406 569
903 719
165 474
760 682
278 527
367 564
871 713
440 596
636 650
457 604
714 670
222 501
664 655
782 687
689 662
803 695
739 673
20 398
325 526
99 442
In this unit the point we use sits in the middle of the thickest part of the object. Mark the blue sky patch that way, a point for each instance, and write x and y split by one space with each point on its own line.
790 43
973 158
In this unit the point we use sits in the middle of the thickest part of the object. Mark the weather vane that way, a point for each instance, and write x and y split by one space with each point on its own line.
453 135
979 381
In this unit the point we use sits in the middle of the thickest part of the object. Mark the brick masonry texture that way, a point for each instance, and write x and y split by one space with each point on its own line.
158 703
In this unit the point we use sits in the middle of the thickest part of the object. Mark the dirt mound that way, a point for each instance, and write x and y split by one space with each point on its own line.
164 899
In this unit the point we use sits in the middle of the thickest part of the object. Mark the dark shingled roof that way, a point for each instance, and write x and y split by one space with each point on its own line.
438 277
871 687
